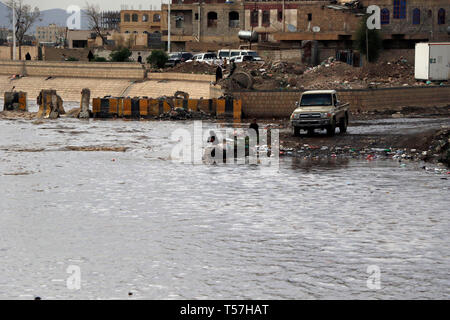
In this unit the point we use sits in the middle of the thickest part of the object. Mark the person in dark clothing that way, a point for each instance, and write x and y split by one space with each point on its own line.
254 126
28 56
219 73
90 56
232 68
139 58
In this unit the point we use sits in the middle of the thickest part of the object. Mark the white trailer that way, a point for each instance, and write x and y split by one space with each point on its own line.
432 61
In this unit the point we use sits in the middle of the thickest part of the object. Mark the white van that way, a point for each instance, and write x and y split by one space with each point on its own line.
228 53
231 53
208 57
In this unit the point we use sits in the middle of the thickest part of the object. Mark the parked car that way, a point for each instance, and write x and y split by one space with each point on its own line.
207 57
177 57
320 109
254 54
239 59
231 54
227 54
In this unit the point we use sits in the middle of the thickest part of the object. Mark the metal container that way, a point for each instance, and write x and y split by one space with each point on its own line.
251 36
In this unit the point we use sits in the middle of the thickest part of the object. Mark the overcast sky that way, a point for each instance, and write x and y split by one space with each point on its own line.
104 4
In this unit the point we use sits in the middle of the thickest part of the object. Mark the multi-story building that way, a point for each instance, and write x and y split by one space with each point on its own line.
4 33
110 20
140 21
202 25
139 28
51 34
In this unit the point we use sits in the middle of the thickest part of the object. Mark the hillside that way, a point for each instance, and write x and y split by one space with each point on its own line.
56 16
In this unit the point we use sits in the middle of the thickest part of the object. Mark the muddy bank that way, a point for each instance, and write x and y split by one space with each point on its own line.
415 141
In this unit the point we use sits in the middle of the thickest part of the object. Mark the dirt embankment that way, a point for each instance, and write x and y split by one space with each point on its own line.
376 135
330 74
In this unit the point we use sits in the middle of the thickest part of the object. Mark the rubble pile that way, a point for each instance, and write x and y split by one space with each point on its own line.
193 67
183 114
330 74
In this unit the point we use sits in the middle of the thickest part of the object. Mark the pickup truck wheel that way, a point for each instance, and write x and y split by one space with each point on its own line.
343 125
296 131
331 129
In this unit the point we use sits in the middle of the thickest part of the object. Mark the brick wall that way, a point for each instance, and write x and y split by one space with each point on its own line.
131 71
280 104
6 52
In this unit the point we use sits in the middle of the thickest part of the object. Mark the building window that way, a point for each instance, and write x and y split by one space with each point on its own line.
416 16
233 18
399 9
126 17
384 16
263 37
212 19
144 17
309 16
266 18
196 16
156 18
441 16
280 15
254 18
134 17
179 20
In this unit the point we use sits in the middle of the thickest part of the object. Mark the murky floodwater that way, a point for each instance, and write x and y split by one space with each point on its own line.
136 221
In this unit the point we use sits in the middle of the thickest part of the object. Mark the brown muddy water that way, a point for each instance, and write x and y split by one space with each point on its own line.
134 221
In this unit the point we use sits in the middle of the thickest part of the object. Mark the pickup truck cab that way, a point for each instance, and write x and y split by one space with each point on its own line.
320 109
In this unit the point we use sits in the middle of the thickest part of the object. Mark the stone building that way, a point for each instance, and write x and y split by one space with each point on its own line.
139 28
51 34
404 22
202 26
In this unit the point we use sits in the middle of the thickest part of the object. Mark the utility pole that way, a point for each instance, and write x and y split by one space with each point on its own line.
14 28
367 45
168 30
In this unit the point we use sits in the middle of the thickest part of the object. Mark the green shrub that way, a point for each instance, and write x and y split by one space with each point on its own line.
72 59
99 59
120 55
157 58
374 39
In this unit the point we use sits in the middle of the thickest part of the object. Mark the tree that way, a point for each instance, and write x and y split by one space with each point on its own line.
157 58
95 17
26 16
374 40
120 55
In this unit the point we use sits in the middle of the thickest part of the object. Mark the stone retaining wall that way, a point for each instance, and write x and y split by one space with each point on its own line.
74 69
280 104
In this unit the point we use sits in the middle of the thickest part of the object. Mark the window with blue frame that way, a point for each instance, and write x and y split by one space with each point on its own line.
384 16
416 16
441 16
399 9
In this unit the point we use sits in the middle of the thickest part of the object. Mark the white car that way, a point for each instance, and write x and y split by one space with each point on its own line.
207 57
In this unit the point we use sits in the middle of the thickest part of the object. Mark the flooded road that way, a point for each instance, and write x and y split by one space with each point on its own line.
138 222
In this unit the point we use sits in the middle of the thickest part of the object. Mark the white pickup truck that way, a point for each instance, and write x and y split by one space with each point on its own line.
320 109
